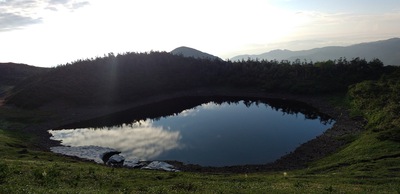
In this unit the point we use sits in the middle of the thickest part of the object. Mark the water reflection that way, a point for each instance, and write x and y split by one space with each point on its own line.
206 131
139 140
185 106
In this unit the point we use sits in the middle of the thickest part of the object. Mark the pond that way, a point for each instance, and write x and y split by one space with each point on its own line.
215 131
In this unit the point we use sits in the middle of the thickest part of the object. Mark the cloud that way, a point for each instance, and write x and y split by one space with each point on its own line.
59 1
18 14
349 27
55 5
10 21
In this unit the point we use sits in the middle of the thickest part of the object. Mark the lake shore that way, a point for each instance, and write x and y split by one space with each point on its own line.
327 143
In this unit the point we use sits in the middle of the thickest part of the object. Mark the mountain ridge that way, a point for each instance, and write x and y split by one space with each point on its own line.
388 51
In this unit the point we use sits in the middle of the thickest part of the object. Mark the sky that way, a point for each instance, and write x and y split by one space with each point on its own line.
48 33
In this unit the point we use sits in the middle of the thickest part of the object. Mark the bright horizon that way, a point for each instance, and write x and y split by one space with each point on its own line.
51 32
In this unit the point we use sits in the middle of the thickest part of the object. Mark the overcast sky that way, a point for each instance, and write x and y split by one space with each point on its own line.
53 32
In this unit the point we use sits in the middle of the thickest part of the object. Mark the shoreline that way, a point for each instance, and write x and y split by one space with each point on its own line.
327 143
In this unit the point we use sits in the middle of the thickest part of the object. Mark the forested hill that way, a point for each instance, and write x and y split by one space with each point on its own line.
127 77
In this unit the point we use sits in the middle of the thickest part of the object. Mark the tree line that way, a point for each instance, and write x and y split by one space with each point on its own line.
131 76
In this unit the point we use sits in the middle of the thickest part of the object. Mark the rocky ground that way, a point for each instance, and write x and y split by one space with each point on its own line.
329 142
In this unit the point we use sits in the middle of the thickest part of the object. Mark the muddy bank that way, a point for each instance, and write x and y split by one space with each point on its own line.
325 144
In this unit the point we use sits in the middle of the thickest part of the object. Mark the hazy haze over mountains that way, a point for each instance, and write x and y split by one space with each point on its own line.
388 51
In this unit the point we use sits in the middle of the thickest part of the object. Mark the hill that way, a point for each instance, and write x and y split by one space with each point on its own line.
388 51
190 52
13 73
129 77
115 79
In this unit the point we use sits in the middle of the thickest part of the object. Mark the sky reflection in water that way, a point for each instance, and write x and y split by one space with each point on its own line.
140 140
210 135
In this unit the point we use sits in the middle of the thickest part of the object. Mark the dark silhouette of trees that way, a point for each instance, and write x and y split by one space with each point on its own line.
121 78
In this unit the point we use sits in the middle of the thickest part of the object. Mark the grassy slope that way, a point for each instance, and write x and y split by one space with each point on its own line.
367 165
367 156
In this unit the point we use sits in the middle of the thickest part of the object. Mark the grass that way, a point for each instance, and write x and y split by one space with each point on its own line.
37 172
366 165
366 156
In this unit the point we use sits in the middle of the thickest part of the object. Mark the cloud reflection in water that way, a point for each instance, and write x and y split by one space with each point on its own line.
193 112
139 140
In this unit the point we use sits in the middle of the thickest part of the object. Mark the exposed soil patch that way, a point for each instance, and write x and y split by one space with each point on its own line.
329 142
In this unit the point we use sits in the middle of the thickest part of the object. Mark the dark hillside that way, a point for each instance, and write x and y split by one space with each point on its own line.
116 79
132 76
13 73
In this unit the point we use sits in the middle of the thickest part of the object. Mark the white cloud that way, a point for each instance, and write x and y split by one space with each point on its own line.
21 13
12 21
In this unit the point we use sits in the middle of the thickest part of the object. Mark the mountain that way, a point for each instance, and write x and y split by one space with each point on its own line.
388 51
190 52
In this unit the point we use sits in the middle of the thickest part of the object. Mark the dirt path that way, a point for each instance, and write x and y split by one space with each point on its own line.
325 144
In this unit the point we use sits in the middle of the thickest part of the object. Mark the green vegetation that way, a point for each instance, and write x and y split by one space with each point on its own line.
375 154
380 103
368 164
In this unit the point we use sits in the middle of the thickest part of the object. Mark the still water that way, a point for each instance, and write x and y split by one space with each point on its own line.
204 131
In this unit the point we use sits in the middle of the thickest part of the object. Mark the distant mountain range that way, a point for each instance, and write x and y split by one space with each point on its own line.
190 52
388 51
